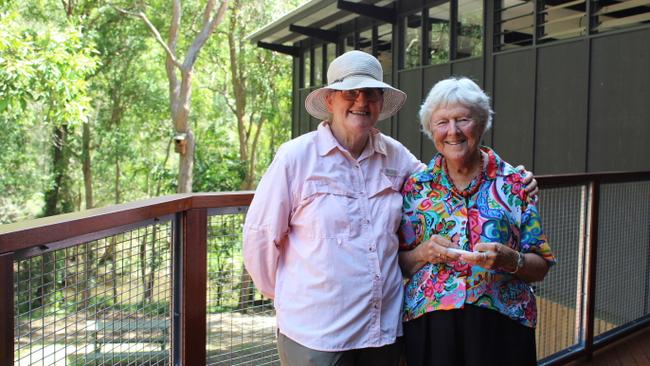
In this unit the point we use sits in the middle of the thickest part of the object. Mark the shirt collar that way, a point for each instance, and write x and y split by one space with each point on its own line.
326 141
435 168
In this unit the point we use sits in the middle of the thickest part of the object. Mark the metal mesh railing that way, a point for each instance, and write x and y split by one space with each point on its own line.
623 256
240 323
560 305
105 298
104 302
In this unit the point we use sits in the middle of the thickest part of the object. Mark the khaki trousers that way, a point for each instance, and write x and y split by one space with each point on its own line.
294 354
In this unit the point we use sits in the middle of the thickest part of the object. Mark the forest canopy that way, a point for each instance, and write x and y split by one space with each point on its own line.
94 94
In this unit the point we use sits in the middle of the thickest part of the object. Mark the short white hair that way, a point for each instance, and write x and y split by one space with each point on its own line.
457 90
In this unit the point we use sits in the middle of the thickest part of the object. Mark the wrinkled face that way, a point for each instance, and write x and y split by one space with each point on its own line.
456 132
355 110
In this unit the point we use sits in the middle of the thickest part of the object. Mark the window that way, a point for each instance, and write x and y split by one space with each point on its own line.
318 66
439 34
384 47
412 40
331 54
307 68
561 19
349 43
470 28
515 23
610 15
365 41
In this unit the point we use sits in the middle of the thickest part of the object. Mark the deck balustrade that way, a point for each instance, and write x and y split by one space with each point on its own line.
161 281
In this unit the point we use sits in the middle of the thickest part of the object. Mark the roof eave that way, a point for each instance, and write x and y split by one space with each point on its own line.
288 19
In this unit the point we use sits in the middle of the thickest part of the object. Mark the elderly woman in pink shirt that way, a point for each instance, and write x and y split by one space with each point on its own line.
320 235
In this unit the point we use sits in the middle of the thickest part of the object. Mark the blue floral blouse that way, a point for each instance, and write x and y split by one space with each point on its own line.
500 211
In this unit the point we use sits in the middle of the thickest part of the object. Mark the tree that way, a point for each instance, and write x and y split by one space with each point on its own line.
180 91
248 80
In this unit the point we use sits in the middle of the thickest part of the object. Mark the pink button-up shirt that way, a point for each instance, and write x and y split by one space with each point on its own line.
320 239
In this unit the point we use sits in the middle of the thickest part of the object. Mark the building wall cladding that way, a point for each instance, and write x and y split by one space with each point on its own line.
568 106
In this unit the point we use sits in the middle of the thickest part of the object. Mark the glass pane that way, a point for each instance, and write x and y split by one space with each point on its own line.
365 41
384 47
609 15
318 66
307 69
412 40
470 28
349 44
439 38
331 54
561 19
515 24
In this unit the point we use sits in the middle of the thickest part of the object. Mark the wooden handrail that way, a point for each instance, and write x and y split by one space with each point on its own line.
30 233
26 234
547 181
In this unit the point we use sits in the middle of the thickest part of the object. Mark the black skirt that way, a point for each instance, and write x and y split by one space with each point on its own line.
471 336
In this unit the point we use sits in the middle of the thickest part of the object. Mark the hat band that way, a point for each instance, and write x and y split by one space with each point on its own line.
355 74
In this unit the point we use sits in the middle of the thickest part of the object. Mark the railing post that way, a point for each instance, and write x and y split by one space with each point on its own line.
7 309
592 243
193 287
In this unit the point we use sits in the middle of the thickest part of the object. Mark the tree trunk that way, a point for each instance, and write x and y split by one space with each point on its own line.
149 282
57 196
89 273
186 164
118 172
143 264
57 200
87 172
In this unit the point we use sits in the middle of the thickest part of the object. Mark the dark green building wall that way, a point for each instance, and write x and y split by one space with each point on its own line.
571 106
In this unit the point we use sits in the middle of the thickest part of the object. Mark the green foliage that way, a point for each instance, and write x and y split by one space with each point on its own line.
43 71
90 64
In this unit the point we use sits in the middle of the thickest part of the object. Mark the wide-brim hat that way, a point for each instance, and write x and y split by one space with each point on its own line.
354 70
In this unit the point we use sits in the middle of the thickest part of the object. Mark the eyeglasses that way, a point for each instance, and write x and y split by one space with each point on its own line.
372 94
461 122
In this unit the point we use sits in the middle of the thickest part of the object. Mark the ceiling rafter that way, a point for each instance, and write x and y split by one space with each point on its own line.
322 34
386 14
287 50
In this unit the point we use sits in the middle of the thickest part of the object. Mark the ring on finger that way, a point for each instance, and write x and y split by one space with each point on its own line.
484 256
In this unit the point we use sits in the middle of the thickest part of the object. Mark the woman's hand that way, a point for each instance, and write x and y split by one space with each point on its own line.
434 250
530 182
503 258
493 256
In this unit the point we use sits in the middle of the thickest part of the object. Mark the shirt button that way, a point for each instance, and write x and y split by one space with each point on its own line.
377 276
366 221
376 306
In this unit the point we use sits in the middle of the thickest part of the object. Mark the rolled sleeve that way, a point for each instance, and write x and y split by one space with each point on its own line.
266 226
533 239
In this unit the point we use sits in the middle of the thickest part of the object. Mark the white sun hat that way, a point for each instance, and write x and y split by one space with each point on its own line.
354 70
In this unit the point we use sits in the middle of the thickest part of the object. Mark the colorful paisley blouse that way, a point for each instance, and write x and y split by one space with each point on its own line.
500 211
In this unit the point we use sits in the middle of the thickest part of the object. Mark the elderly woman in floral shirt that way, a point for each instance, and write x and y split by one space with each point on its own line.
471 242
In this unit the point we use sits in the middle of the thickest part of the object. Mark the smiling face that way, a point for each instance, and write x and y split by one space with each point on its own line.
456 133
353 117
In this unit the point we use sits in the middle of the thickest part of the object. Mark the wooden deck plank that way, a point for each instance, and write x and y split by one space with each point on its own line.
633 350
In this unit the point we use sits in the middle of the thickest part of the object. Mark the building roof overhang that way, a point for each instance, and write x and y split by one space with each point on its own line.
318 19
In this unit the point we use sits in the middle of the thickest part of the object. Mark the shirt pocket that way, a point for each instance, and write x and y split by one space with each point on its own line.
386 199
323 210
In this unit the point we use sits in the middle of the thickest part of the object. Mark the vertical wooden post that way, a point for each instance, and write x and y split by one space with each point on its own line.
6 309
194 287
594 199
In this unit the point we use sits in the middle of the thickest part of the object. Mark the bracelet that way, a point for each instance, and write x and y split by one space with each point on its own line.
521 260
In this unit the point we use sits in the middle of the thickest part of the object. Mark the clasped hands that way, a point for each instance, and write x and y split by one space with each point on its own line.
494 256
